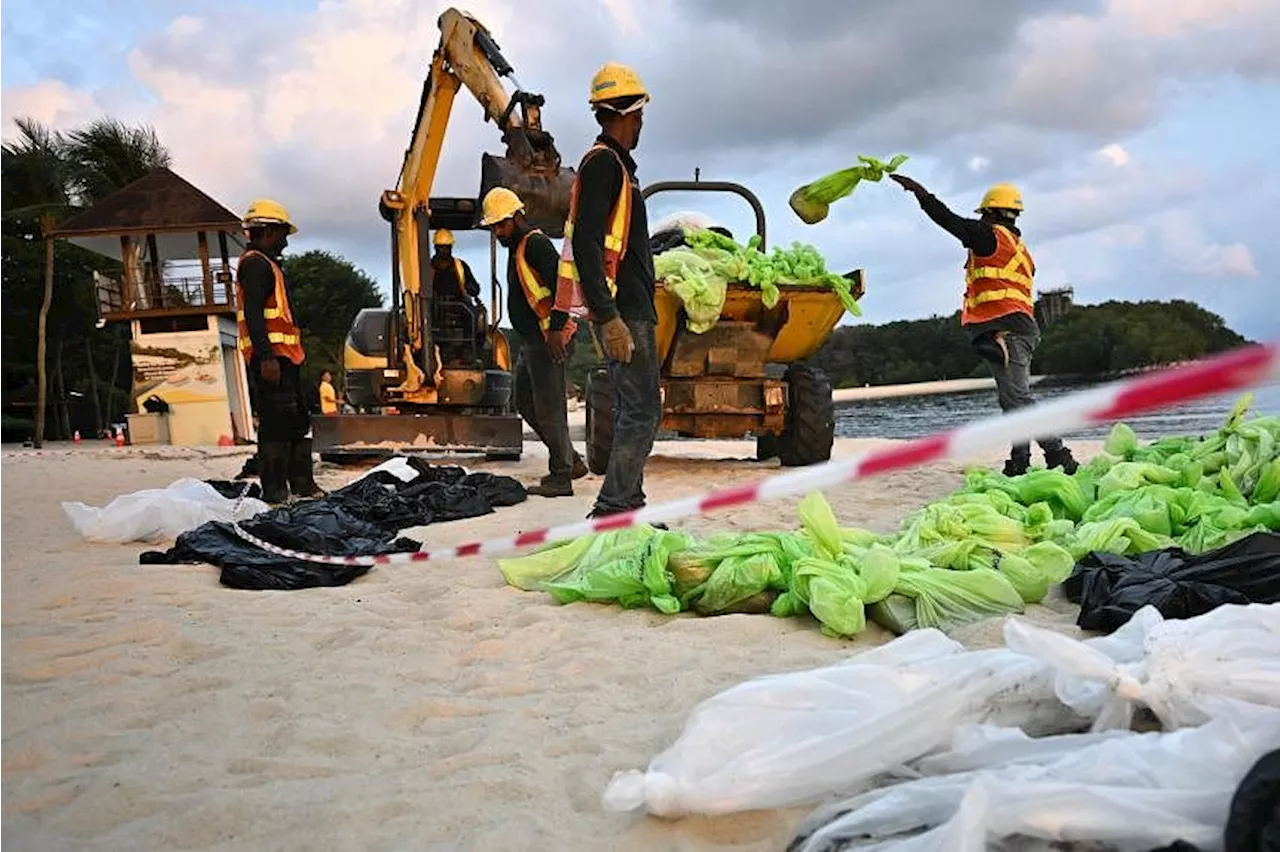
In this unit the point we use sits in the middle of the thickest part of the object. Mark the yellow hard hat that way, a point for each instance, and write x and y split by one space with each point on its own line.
616 81
443 237
264 211
1002 196
499 205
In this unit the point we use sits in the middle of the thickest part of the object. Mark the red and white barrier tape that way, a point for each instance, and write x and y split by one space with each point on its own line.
1233 371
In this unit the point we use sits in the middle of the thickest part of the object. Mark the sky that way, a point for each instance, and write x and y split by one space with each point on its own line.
1143 133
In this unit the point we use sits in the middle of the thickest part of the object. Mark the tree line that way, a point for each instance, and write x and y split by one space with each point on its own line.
1089 341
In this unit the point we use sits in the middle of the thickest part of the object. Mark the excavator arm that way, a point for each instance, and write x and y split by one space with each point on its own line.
467 56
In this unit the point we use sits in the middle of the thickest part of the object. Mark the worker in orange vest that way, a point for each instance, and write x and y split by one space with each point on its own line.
606 271
540 374
271 343
999 302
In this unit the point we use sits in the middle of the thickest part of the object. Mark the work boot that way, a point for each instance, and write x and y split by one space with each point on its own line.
551 487
273 471
579 467
1019 460
1061 457
301 480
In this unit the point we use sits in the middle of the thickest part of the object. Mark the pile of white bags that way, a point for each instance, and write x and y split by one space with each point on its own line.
974 731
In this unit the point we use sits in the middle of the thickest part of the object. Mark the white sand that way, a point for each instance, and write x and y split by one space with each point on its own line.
148 707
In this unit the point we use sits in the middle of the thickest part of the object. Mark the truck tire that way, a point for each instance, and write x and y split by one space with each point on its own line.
599 420
811 424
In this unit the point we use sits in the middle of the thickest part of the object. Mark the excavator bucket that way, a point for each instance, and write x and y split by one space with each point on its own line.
545 192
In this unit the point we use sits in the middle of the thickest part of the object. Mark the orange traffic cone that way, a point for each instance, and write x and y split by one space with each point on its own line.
119 437
76 437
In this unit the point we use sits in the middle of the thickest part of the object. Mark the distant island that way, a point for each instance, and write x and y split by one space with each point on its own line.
1085 341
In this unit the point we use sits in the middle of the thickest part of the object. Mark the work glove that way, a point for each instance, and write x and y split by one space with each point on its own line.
907 183
270 370
618 344
557 345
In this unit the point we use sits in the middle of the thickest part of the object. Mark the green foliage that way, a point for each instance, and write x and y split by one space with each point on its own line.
326 292
1115 336
1091 340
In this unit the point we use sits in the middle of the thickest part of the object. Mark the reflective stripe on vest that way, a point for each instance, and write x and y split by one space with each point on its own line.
537 294
462 277
283 335
1001 283
569 296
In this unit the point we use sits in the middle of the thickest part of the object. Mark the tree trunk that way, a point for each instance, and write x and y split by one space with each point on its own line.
93 383
115 376
42 374
64 418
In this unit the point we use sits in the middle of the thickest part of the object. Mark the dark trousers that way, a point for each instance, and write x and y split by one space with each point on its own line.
637 412
284 450
541 401
281 408
1011 367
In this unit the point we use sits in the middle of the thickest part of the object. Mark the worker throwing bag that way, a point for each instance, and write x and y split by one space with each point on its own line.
541 383
999 304
271 344
606 270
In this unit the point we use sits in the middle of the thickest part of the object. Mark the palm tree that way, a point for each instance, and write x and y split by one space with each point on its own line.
107 154
35 174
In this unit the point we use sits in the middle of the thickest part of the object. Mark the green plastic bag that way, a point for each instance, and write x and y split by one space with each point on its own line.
701 291
812 201
1032 571
633 575
950 599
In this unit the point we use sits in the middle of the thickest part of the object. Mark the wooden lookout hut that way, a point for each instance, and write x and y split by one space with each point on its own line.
176 247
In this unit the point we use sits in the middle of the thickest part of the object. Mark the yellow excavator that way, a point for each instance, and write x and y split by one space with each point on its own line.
434 371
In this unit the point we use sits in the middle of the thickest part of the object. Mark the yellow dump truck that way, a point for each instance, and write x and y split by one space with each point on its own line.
743 376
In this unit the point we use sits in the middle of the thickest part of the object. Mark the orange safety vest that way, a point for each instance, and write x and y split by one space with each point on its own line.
283 334
568 286
537 294
1001 283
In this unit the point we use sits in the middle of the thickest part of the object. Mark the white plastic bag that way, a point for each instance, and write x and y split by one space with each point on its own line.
1186 671
792 738
1132 791
157 514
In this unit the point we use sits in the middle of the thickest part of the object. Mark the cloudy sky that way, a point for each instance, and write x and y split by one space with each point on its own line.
1144 133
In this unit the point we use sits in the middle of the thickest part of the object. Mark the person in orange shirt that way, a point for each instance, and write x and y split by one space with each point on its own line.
999 303
328 396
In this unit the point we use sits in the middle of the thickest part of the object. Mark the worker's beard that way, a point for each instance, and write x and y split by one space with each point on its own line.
506 241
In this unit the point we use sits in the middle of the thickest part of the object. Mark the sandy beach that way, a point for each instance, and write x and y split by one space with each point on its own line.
148 707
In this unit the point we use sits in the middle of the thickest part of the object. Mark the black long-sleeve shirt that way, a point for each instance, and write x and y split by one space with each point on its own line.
257 281
445 278
601 182
543 258
979 237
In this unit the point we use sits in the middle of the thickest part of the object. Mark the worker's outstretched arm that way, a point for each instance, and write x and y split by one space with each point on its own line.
973 234
602 180
257 279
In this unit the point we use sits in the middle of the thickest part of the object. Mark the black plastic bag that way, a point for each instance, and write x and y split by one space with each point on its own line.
361 519
1111 588
311 527
1253 823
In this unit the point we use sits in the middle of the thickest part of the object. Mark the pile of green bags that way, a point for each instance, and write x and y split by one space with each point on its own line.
700 272
990 548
